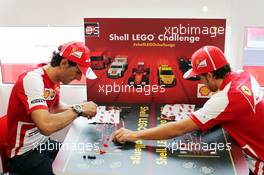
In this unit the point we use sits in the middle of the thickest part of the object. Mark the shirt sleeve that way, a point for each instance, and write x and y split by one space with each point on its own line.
32 94
215 111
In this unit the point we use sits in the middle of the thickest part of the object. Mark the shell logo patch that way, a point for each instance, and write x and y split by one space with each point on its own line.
246 90
204 91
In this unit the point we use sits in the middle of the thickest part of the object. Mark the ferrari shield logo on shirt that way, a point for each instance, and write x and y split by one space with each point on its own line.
247 93
49 94
246 90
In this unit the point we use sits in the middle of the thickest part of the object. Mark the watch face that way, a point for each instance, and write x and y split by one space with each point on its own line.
78 109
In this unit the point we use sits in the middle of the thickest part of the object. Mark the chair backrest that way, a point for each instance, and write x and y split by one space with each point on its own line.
3 137
3 131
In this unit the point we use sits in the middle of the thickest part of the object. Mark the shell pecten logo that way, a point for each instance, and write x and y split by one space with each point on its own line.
204 91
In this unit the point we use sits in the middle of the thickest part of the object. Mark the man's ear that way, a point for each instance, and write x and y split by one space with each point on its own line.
64 63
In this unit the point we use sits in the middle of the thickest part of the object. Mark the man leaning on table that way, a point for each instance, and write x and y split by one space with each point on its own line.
238 107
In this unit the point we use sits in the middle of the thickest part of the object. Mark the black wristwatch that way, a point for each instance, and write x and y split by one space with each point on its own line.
78 109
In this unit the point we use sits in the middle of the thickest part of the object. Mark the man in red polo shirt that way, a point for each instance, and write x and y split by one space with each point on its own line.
238 107
35 110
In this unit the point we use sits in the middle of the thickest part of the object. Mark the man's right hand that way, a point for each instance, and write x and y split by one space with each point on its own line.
123 135
89 109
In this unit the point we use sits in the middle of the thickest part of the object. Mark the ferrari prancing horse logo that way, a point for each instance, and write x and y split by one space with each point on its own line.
246 90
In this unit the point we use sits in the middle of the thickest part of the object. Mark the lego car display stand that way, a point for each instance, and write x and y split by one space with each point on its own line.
100 59
166 76
140 75
117 67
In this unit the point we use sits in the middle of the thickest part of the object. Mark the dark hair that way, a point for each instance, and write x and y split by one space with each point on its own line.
221 72
56 59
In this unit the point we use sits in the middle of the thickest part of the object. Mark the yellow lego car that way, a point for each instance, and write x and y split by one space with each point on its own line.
166 76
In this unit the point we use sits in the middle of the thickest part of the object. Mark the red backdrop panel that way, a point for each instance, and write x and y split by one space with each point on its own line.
99 34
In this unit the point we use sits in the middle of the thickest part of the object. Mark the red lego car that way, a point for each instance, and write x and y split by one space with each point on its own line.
140 75
100 59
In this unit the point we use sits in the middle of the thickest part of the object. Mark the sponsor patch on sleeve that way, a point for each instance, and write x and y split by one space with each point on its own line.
37 101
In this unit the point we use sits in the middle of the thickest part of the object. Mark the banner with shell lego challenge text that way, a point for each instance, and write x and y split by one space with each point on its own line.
143 60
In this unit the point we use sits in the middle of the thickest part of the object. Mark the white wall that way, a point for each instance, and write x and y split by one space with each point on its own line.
71 12
242 14
239 14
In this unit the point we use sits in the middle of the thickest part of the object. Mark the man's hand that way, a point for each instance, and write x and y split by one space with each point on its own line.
122 135
89 109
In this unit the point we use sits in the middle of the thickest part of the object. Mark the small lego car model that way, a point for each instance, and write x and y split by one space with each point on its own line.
140 75
122 60
117 68
100 60
166 76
